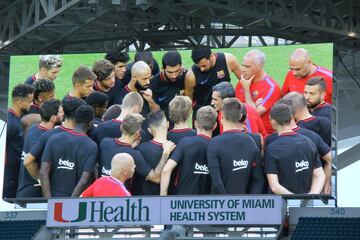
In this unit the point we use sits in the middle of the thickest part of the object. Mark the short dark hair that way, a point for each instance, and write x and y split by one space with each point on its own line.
200 52
206 118
317 81
116 56
82 74
49 108
171 59
155 118
97 99
232 109
22 91
103 69
145 56
132 123
287 102
225 89
298 100
70 106
281 113
42 86
84 114
112 112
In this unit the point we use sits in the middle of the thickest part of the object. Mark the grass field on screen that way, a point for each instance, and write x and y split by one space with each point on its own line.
276 63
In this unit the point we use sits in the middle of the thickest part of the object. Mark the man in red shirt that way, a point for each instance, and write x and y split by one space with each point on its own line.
301 70
252 122
256 88
122 168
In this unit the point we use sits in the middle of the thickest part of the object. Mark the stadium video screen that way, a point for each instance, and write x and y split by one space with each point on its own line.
271 130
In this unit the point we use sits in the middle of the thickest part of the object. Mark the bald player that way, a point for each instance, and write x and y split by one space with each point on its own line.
122 169
140 82
301 70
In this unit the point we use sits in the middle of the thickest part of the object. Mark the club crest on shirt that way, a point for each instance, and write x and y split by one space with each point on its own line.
220 74
254 94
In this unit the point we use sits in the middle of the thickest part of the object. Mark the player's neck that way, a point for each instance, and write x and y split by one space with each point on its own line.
284 129
312 69
203 132
127 139
81 129
68 124
181 125
123 114
47 125
241 127
260 76
229 126
304 114
75 93
132 87
293 124
16 109
122 179
38 75
160 136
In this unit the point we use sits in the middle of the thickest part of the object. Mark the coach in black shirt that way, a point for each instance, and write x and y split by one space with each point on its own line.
292 162
22 97
233 156
51 113
69 159
190 158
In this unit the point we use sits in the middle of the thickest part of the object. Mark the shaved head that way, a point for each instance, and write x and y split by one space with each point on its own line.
297 99
140 68
122 166
300 63
141 75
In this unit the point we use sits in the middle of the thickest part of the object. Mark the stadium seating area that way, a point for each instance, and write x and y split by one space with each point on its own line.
19 230
327 228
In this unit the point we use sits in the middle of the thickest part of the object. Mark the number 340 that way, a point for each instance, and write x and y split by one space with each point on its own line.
337 211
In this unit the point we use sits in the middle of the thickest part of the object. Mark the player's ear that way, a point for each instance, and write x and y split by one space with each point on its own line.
149 130
322 95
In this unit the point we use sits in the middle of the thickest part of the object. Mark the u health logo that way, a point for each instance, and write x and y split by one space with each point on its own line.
58 213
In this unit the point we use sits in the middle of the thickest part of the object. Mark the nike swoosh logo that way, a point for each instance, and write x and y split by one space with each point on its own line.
203 82
162 98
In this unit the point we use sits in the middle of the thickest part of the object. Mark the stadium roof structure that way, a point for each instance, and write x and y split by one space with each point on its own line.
64 26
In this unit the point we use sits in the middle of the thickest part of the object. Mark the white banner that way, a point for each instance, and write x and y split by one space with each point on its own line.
194 210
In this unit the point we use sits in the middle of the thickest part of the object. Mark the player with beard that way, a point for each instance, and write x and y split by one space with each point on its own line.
301 70
52 114
208 70
22 98
140 82
315 92
49 68
145 56
119 60
105 81
169 82
83 81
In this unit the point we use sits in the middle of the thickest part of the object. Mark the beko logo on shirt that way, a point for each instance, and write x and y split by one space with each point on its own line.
201 169
66 164
241 164
301 165
105 172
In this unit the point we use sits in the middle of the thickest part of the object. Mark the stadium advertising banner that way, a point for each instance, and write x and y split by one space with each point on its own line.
237 210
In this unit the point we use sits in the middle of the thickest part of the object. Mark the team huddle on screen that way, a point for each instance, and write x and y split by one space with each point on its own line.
127 128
